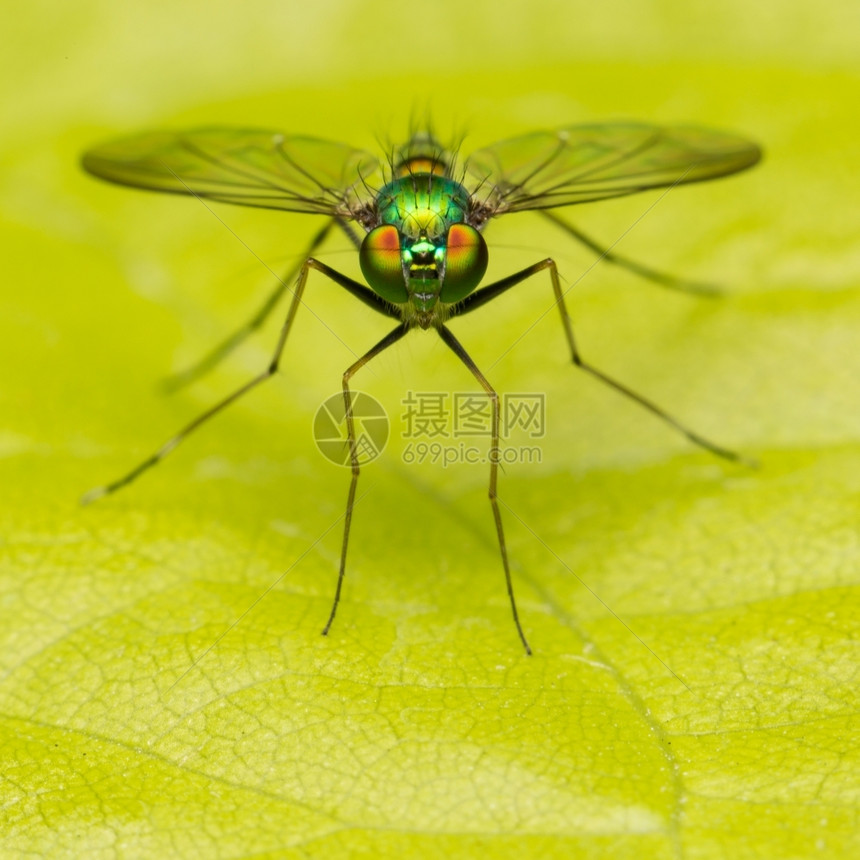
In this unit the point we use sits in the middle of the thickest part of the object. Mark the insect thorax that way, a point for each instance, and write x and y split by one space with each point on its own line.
423 206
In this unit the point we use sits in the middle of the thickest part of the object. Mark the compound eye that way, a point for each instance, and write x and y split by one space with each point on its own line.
382 264
466 261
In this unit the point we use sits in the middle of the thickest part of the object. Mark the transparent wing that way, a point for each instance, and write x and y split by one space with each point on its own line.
251 167
583 163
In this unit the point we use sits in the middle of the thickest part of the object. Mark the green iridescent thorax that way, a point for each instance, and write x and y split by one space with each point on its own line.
423 207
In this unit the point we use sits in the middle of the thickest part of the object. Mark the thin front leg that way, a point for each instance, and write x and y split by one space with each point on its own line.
391 338
353 286
220 352
492 291
495 454
662 278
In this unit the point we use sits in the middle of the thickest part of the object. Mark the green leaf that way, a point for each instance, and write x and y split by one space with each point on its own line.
164 688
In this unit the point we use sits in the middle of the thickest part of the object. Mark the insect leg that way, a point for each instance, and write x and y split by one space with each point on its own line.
461 353
357 289
391 338
665 280
223 349
492 291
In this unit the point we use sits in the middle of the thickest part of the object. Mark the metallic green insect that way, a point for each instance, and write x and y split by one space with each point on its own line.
423 213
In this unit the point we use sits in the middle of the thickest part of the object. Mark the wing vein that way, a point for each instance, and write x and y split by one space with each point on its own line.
217 162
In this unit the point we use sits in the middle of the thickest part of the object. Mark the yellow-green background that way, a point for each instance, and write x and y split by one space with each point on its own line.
418 728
